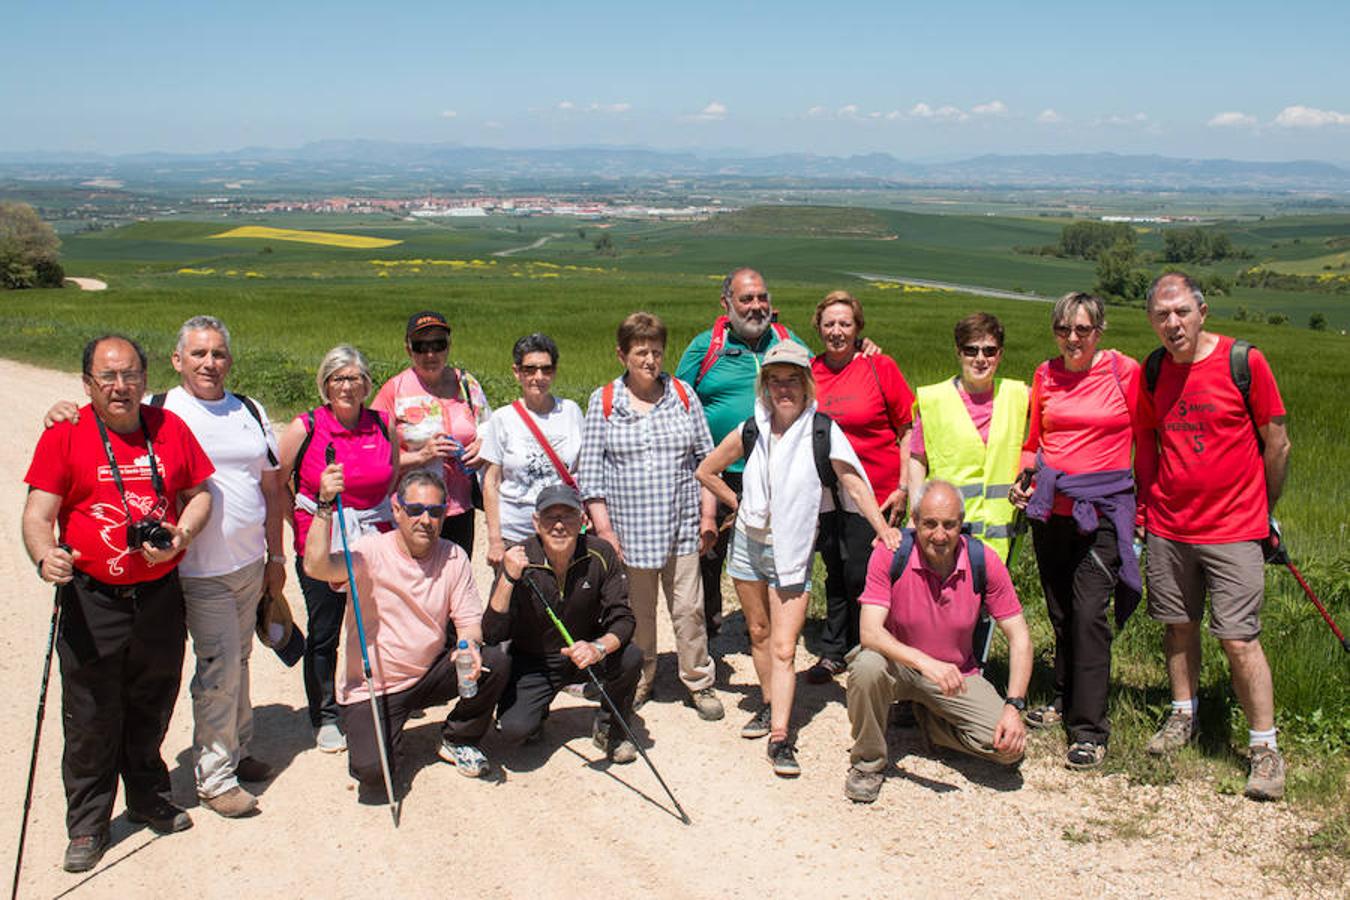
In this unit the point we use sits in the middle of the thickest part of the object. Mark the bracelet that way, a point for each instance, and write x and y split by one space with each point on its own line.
507 576
600 648
277 558
323 504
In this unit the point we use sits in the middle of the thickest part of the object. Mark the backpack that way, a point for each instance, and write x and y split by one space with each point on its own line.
820 451
1239 368
984 628
158 401
607 396
717 344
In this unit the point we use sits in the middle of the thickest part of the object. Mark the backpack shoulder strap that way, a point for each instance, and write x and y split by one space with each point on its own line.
155 400
820 447
300 454
780 330
979 577
1240 368
1152 367
715 344
681 392
257 417
749 437
607 399
900 559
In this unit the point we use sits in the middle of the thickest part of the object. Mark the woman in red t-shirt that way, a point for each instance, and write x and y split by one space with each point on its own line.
1083 425
871 402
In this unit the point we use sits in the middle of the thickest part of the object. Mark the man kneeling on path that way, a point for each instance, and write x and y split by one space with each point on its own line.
917 633
584 582
418 601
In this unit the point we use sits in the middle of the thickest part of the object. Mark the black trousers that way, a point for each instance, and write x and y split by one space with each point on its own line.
710 564
1078 574
467 723
536 680
845 544
459 529
324 609
121 653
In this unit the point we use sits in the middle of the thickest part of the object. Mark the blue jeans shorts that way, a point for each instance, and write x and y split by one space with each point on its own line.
751 560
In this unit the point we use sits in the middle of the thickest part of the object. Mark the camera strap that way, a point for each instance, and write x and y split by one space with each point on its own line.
155 479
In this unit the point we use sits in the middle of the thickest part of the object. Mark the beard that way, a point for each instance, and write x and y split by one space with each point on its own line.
748 328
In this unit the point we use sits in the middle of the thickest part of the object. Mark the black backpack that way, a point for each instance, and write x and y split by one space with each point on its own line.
820 450
1239 368
979 579
158 400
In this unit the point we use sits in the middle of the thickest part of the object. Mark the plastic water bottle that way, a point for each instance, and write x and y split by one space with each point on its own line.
468 685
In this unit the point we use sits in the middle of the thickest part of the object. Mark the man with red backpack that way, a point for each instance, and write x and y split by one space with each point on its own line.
1207 485
721 364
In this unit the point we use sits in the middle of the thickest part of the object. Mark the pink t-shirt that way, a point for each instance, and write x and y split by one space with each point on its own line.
405 605
936 616
979 406
364 454
420 416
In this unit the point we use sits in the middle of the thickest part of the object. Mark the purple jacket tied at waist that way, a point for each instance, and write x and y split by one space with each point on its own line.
1094 494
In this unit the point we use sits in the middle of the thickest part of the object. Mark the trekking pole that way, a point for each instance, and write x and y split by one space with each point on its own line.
37 735
604 695
1019 522
1276 553
984 628
330 455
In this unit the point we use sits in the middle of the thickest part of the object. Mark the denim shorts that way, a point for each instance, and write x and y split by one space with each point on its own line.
750 560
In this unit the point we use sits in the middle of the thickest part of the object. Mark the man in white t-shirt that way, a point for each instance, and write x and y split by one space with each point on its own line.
237 556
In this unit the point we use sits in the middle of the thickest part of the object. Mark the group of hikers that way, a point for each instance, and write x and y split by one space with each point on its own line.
161 516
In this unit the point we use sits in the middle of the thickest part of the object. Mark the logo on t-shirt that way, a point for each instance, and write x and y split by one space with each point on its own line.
112 519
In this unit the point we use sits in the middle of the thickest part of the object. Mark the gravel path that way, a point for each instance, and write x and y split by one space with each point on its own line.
559 822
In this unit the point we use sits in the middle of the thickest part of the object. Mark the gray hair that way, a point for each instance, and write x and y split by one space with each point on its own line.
917 500
420 476
1187 282
340 357
202 323
733 275
1066 306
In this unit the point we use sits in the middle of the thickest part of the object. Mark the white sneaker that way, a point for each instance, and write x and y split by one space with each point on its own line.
330 739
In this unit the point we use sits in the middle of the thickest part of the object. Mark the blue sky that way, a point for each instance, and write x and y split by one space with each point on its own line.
921 81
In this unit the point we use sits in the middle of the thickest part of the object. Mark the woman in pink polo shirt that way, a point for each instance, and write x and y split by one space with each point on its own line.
361 441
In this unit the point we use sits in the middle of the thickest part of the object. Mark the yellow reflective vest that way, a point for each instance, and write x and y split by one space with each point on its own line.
982 472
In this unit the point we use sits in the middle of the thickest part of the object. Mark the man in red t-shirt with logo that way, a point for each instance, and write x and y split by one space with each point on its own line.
1208 484
126 487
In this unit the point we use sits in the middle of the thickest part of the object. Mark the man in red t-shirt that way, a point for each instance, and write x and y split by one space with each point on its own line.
126 487
1209 479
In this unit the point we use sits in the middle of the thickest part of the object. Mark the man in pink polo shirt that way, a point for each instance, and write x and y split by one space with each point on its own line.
917 645
418 601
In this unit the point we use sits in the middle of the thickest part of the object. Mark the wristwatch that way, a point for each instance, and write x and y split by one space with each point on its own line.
1017 703
600 648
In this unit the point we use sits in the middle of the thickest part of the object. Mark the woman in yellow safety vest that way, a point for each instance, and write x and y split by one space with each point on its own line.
968 430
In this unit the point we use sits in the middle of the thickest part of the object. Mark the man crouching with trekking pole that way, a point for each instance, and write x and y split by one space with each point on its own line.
419 603
127 486
582 580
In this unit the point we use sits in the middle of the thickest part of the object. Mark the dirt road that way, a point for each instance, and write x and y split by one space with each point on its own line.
558 821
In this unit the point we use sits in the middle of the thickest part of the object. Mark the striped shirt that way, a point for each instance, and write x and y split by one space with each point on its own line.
642 466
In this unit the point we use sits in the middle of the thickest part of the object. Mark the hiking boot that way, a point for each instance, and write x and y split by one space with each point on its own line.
622 751
783 757
250 769
642 697
162 817
1085 755
84 852
1176 732
232 804
707 703
467 759
824 671
758 726
1043 717
1266 781
862 787
329 738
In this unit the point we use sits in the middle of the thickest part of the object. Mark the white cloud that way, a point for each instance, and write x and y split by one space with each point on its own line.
567 105
609 107
713 112
1136 119
448 114
922 111
848 112
946 113
1231 120
818 112
1049 117
992 108
894 114
1309 117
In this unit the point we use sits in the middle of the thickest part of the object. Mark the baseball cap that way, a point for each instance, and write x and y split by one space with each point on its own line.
427 318
557 495
788 353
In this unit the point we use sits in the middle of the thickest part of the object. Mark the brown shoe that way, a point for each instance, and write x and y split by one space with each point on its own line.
232 804
250 769
84 852
1266 781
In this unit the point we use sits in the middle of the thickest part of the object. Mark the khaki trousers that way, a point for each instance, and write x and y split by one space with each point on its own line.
963 722
680 580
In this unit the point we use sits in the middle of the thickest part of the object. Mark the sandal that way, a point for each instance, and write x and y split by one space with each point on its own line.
1043 716
825 670
1085 755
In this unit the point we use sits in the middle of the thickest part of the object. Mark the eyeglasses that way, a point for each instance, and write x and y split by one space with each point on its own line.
346 380
110 379
416 510
436 345
746 298
535 370
972 350
1081 331
566 517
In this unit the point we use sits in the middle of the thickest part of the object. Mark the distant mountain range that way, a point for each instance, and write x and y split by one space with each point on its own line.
335 160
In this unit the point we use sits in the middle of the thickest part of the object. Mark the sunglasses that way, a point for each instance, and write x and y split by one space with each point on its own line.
437 345
1081 331
416 510
535 370
971 351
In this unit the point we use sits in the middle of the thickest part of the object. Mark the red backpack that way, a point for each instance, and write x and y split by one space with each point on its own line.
607 396
719 341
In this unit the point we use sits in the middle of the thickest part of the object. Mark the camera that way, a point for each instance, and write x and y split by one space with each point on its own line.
149 530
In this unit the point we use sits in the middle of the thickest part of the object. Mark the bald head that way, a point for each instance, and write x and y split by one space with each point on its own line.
938 515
